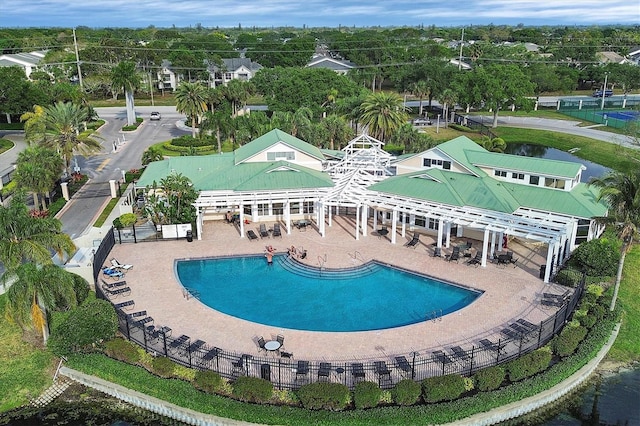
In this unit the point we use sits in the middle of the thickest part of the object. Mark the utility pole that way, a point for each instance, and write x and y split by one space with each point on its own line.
75 45
460 56
604 89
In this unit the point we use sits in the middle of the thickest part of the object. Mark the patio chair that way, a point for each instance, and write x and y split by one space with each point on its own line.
357 371
477 260
442 357
118 265
280 339
460 353
489 345
455 255
302 370
414 241
276 230
383 373
252 235
238 366
324 371
383 231
403 364
261 344
286 354
263 231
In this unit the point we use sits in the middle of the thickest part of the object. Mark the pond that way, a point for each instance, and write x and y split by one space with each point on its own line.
539 151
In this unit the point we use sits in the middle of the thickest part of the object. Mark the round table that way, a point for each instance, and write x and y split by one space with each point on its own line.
272 345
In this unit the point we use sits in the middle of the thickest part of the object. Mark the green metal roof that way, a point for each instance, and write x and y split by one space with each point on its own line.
457 189
275 136
218 173
540 166
459 149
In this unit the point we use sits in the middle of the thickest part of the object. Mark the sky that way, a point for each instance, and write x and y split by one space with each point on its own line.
314 13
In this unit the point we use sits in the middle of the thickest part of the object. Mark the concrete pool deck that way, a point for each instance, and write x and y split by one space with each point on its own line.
509 292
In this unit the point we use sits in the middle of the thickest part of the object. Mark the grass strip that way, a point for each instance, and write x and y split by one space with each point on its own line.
106 212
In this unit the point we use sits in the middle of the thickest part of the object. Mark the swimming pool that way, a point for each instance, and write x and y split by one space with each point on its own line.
290 295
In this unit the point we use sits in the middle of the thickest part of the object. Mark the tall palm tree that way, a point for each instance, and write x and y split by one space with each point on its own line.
383 113
124 77
34 128
35 290
448 99
37 170
622 193
237 92
191 100
62 122
338 130
301 121
151 154
24 238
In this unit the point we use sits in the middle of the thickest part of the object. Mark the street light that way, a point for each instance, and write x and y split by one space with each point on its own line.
604 89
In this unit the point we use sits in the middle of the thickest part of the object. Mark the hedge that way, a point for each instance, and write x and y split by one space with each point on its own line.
366 395
529 364
443 388
198 149
324 396
252 389
208 381
489 378
568 340
406 392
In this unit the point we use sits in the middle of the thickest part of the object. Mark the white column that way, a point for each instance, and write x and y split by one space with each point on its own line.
441 225
448 235
112 187
404 227
357 222
65 191
321 224
574 234
365 219
485 247
287 214
330 214
394 225
493 243
375 219
500 239
547 271
241 218
199 223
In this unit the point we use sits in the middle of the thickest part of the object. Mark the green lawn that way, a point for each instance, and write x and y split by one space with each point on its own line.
5 145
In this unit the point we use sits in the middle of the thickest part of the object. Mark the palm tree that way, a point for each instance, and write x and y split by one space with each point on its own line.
24 238
124 77
237 92
338 130
622 193
35 290
151 154
301 121
191 100
448 99
37 170
62 122
34 128
420 89
383 113
493 145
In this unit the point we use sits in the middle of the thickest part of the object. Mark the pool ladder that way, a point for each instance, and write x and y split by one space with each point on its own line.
322 261
435 315
356 256
189 293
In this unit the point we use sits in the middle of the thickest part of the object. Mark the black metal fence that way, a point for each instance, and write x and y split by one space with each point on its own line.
287 372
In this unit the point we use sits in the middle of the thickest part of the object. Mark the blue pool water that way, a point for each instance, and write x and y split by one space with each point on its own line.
289 295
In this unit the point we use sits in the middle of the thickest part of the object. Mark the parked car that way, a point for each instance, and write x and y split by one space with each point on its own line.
421 122
598 93
155 116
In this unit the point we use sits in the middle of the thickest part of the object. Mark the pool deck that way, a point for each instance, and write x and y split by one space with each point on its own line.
509 292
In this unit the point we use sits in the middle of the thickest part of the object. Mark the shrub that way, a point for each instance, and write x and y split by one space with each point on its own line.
122 350
163 366
568 277
86 326
597 257
187 149
208 381
529 364
324 396
184 373
568 340
187 141
252 389
81 288
489 378
366 395
406 392
443 388
9 188
462 128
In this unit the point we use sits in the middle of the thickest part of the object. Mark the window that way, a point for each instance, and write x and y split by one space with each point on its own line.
434 224
582 231
263 209
500 173
247 210
519 176
228 76
294 208
446 165
307 207
275 156
534 180
278 209
420 221
426 162
554 183
243 77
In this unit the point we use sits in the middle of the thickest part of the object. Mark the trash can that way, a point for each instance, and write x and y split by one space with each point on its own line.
543 269
189 236
265 372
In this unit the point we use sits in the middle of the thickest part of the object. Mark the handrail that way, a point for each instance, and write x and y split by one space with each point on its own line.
55 376
322 261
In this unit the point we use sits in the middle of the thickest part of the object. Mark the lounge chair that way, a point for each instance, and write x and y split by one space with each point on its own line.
442 357
552 302
414 241
558 297
261 344
263 231
455 255
179 342
384 374
357 371
324 371
161 331
211 354
111 286
460 353
477 260
118 265
489 345
403 364
523 322
127 304
276 230
252 235
137 314
122 291
112 273
521 329
196 345
511 333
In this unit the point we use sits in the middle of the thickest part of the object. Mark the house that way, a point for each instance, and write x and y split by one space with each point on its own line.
610 58
456 188
634 55
231 69
27 61
242 69
340 66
